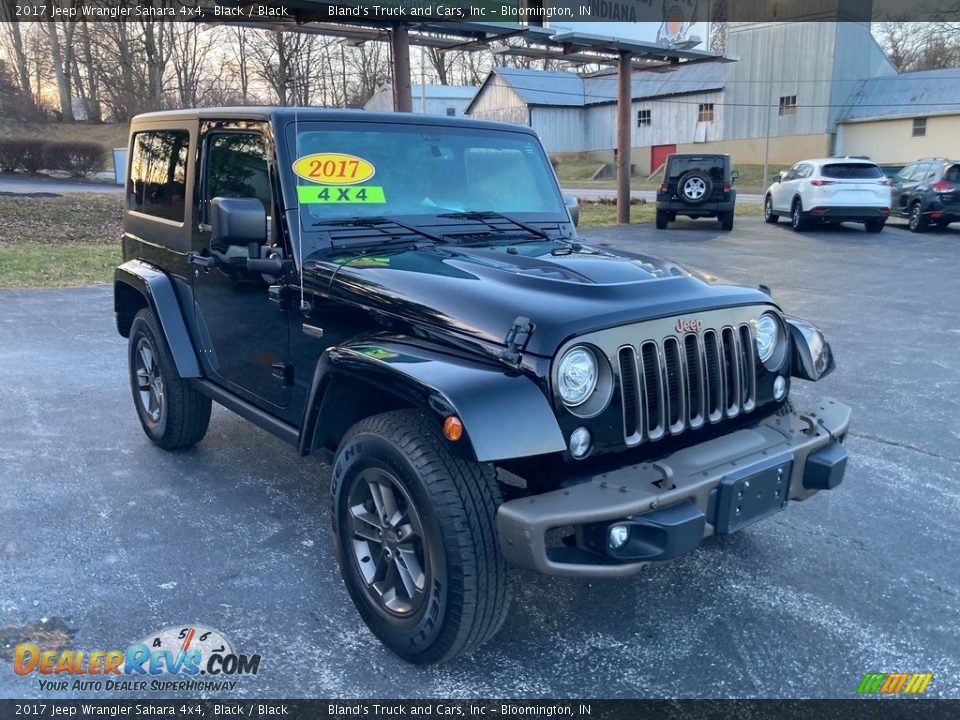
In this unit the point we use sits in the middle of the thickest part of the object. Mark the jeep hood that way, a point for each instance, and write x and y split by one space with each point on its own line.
564 290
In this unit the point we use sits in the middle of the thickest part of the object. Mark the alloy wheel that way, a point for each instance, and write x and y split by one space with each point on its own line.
387 541
150 393
767 209
694 188
914 217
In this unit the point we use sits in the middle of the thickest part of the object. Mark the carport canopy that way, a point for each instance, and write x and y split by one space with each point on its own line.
525 40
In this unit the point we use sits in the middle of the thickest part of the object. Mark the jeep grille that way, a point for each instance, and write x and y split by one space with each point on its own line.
683 381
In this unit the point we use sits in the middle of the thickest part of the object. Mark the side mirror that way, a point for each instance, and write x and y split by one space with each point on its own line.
573 207
734 175
237 221
812 357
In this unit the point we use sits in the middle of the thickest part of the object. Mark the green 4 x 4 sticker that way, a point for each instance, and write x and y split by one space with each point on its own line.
353 194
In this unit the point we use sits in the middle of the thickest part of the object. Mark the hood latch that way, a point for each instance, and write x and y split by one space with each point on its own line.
516 340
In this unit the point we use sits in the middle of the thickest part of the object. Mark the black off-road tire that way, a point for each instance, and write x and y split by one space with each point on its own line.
661 220
726 220
182 414
769 216
699 189
874 226
467 582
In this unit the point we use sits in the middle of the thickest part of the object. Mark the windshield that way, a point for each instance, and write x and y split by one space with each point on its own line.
418 172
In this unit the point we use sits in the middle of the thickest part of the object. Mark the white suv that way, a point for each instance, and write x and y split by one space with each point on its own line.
830 190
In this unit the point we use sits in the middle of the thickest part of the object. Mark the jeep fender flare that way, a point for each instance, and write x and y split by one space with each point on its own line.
504 413
158 294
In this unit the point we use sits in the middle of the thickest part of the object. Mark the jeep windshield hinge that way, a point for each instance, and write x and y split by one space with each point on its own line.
516 340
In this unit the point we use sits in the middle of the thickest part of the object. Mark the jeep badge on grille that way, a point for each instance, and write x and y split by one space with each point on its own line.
688 326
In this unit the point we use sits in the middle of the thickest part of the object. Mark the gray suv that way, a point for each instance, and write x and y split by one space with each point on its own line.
927 192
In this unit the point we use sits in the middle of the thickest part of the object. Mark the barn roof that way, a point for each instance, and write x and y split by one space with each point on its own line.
932 92
566 89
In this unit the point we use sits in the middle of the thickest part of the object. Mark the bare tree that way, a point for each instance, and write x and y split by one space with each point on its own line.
191 50
368 67
913 46
21 68
86 80
60 62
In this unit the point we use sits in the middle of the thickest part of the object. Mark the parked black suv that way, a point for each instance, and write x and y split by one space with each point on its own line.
697 186
406 297
927 192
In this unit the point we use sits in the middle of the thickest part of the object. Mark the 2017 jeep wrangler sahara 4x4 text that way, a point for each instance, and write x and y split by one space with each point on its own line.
406 297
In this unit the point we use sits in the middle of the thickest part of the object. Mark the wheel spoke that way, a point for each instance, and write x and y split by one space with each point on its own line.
375 490
365 524
146 357
391 512
411 573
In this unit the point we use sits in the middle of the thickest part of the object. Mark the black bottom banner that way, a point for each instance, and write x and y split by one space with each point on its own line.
436 708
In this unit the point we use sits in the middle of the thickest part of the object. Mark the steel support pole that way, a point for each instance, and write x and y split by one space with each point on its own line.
624 96
400 42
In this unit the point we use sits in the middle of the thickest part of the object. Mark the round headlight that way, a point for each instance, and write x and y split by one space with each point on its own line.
768 334
576 376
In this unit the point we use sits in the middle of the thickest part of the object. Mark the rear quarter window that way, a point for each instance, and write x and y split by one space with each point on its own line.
156 183
852 171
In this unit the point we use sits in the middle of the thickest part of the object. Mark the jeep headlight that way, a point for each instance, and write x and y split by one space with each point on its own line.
768 334
577 374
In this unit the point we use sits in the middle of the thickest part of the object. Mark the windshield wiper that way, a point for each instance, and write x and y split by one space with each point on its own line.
376 222
489 215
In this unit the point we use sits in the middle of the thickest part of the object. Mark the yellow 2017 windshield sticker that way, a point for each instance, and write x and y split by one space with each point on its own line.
352 194
334 169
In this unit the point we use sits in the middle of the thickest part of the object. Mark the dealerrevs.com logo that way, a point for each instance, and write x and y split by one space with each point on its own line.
198 658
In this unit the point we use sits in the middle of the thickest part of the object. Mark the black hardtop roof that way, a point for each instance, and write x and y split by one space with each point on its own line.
303 114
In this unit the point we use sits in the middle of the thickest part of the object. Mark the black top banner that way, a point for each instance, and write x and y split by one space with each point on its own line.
515 12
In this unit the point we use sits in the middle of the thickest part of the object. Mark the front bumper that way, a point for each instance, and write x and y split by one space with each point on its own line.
673 503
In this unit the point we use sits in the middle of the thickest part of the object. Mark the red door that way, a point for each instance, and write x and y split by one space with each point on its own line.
658 155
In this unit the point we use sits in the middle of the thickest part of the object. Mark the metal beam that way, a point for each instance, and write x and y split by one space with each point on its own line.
624 97
400 43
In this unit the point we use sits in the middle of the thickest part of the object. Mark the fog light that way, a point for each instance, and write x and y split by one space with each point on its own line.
779 388
618 536
579 442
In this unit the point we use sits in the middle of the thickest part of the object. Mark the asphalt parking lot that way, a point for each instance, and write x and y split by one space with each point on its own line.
115 538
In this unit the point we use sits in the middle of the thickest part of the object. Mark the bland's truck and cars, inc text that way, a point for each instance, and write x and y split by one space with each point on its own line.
407 297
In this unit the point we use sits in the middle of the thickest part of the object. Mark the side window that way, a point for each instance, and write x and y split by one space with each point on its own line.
236 167
907 172
920 172
156 184
805 171
794 172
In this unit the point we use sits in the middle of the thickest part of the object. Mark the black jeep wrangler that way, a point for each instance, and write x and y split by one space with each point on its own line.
697 186
406 297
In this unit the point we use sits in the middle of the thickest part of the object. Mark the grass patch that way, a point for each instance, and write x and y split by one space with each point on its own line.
59 242
75 218
602 214
32 265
